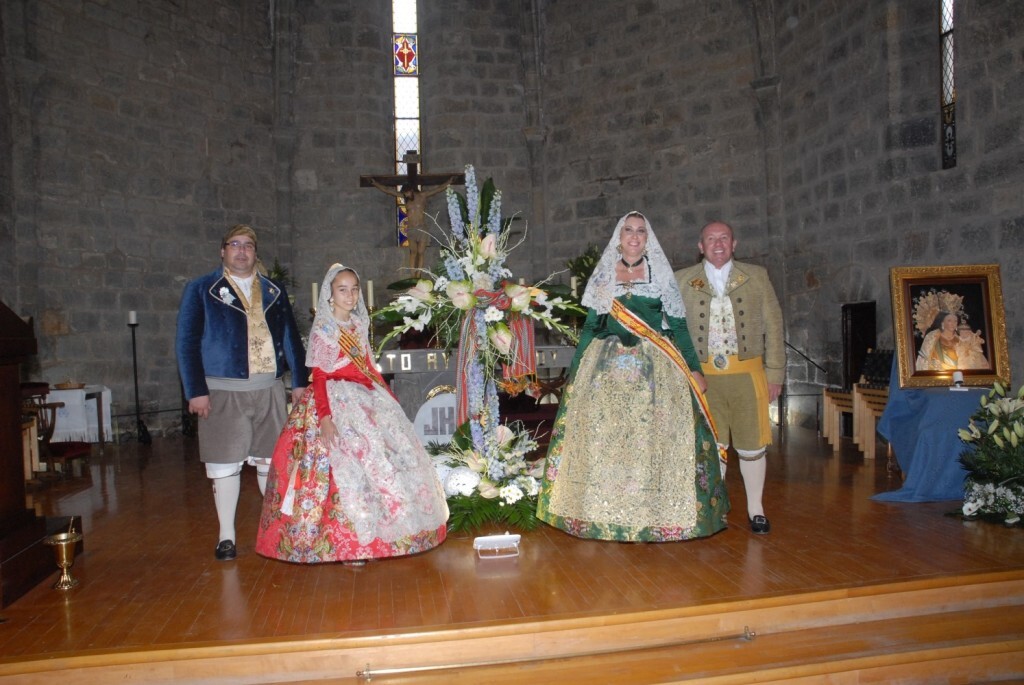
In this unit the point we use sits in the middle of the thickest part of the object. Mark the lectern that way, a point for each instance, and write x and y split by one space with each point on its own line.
24 559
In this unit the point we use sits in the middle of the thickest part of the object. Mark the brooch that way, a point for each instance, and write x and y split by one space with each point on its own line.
225 295
697 283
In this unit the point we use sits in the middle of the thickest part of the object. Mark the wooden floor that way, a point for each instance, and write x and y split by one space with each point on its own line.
149 582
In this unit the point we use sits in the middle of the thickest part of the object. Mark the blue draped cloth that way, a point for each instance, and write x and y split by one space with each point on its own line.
921 425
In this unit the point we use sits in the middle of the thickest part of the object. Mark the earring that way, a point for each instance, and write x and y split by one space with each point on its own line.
330 301
618 248
645 251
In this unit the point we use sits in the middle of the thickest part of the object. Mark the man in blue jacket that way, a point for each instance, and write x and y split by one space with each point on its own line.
236 336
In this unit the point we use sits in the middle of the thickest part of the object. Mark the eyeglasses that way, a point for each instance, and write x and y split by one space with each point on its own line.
239 245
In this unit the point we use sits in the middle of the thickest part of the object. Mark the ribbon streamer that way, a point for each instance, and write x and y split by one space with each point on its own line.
522 352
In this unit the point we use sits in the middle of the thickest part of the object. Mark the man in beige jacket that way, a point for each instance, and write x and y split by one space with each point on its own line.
735 321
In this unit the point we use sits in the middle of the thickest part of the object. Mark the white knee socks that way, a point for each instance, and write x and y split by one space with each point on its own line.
225 497
753 467
262 471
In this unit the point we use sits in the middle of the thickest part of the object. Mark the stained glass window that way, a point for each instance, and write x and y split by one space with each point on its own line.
948 84
405 51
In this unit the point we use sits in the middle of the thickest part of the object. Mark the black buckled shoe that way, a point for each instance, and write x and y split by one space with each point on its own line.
225 551
760 525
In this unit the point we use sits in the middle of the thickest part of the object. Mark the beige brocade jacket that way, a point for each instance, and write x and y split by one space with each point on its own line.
755 307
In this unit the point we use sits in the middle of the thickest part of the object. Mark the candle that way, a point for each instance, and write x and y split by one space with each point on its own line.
133 318
315 298
369 294
572 285
522 281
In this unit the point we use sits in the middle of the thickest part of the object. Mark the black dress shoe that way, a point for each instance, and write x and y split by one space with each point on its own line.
760 525
225 551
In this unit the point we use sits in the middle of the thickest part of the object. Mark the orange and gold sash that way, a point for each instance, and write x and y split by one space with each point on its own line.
351 348
638 327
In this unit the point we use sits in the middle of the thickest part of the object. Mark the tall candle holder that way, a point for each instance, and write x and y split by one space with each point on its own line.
369 330
140 427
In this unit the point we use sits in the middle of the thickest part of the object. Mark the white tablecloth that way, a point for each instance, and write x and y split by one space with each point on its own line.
77 419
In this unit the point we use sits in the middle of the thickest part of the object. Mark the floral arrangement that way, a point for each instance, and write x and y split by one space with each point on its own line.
994 457
475 282
500 487
472 304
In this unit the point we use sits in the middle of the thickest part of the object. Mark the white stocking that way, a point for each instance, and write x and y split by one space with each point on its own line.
262 471
225 497
753 467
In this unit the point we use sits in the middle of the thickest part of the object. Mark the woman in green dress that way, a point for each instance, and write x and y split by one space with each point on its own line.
633 455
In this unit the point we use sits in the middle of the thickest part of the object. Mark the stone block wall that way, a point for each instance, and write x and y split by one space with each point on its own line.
337 126
133 134
138 133
649 107
474 106
861 172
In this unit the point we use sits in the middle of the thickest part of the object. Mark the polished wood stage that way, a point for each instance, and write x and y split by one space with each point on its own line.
844 589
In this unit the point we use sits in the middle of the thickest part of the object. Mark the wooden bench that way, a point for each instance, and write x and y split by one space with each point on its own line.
868 404
836 403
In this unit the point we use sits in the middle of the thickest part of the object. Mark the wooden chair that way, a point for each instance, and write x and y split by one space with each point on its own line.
53 453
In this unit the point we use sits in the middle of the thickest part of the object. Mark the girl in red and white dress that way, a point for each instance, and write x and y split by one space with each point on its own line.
349 480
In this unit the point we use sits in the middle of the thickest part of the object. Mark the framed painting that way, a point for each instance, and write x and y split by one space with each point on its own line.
949 319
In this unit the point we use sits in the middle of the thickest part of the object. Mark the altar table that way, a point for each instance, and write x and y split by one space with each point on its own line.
417 375
921 424
85 416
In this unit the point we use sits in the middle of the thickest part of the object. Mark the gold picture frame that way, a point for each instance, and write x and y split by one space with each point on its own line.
930 347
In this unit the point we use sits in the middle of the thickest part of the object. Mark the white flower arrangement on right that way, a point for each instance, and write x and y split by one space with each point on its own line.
994 457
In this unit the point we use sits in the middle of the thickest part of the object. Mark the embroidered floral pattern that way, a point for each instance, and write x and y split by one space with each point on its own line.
721 328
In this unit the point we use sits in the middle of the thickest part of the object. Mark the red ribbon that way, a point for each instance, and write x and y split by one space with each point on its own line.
522 350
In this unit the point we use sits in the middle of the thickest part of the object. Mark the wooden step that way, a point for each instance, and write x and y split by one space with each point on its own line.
983 645
960 624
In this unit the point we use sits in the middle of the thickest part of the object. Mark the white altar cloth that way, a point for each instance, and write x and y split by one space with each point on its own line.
78 420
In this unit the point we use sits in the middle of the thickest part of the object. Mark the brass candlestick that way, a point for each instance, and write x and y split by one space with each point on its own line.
64 551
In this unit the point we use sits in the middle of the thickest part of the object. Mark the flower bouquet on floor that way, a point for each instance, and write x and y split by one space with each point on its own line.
473 304
994 458
494 485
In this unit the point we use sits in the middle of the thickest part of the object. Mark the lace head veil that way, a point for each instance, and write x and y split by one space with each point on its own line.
323 353
601 287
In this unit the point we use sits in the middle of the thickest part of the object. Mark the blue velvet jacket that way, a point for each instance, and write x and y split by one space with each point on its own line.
213 335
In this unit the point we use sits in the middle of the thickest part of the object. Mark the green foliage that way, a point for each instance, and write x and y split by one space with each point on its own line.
582 267
281 274
473 512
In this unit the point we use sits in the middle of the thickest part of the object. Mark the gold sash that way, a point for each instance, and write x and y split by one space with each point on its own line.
353 350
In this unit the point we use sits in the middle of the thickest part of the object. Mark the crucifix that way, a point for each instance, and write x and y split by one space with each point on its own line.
413 189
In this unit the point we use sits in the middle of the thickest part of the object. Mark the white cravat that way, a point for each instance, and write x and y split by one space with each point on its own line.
718 277
245 284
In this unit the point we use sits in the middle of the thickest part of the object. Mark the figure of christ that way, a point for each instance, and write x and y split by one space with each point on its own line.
415 202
